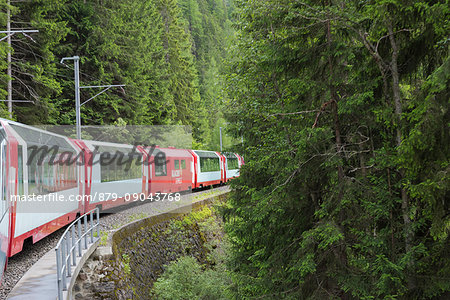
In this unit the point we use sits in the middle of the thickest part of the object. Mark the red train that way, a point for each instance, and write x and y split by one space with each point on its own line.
48 180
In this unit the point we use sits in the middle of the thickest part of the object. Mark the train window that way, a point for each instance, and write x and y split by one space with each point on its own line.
176 164
121 167
119 163
160 164
48 171
41 138
183 164
47 155
209 164
232 161
209 161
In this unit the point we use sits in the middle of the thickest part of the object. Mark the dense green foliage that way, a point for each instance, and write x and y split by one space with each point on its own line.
343 106
211 32
168 53
185 279
3 61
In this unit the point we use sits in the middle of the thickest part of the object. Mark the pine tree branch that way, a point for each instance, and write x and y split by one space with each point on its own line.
320 112
294 113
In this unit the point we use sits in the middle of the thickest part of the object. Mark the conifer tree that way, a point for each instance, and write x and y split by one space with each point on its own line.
337 198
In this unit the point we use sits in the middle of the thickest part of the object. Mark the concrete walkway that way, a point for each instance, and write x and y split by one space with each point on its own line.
39 282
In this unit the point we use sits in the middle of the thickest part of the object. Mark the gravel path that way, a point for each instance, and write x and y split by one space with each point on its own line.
21 262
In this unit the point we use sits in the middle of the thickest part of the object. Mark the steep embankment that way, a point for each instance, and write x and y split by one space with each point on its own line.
142 249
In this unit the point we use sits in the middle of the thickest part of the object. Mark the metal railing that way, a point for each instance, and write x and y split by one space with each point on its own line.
73 241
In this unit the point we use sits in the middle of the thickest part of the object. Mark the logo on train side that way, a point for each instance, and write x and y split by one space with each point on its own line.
176 173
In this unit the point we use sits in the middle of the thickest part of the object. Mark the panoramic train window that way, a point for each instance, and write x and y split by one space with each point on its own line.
160 164
232 161
122 164
209 161
176 164
183 164
209 164
51 161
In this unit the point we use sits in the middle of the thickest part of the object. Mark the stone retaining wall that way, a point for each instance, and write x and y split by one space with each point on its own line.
139 252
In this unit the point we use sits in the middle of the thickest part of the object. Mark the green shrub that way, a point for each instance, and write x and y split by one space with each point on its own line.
185 279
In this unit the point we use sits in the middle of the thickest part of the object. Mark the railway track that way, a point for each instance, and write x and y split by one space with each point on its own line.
20 263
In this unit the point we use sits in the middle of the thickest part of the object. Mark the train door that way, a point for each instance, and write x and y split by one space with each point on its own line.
4 206
194 168
224 166
85 178
145 171
83 175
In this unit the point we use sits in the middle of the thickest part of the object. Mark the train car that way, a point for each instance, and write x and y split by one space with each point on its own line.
209 168
223 165
114 174
241 160
37 181
171 170
232 165
5 146
117 174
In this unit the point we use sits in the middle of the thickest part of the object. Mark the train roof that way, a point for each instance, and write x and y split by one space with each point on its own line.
172 152
37 136
229 155
204 153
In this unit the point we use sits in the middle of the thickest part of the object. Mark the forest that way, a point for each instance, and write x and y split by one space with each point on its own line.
340 109
167 53
343 106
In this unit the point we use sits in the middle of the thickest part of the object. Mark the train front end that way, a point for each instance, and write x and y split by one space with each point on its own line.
8 169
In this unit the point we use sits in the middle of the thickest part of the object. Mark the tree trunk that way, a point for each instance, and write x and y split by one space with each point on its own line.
398 114
334 106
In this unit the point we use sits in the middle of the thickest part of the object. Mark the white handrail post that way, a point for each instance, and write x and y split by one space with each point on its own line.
85 232
91 225
74 258
64 266
79 236
58 272
98 222
67 257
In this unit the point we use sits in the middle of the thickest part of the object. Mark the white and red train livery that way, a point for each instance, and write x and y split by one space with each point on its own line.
38 197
